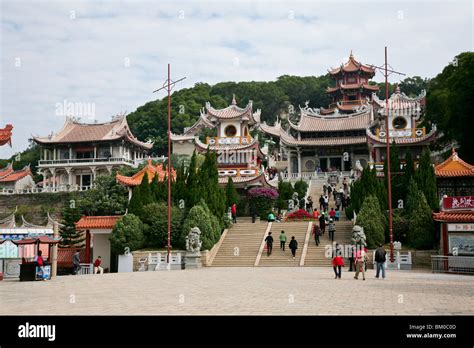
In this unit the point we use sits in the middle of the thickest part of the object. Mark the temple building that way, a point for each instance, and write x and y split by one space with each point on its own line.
349 134
404 117
6 135
72 158
238 153
136 179
12 181
352 87
454 177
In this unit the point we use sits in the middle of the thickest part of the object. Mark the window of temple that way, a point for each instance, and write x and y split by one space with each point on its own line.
230 131
399 123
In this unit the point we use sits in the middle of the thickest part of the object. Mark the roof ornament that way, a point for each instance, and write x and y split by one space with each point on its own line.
234 102
397 90
454 154
351 56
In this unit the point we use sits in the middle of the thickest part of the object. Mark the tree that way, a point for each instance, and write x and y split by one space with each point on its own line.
263 199
135 205
127 233
155 219
396 174
447 106
231 193
373 221
421 225
179 191
426 179
107 197
70 236
301 187
192 183
145 192
285 193
200 216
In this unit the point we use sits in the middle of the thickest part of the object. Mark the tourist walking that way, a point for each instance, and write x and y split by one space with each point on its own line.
270 217
282 240
317 233
360 263
269 243
322 223
76 262
326 202
332 213
293 246
332 229
329 190
310 204
97 267
337 264
234 213
351 257
321 203
380 258
337 216
315 213
253 213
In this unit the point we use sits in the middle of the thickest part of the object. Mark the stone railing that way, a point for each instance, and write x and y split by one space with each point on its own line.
33 190
97 160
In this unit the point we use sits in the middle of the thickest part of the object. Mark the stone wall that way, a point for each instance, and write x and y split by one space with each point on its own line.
34 207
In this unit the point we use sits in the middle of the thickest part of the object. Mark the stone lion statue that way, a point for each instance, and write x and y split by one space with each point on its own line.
358 236
193 240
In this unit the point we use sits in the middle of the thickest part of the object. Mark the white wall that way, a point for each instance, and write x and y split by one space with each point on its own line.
101 248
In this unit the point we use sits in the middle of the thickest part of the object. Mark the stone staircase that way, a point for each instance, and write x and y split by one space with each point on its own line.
280 258
315 256
241 244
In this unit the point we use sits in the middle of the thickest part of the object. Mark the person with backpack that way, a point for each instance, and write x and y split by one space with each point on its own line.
321 203
332 229
269 242
380 258
317 233
293 246
282 240
271 217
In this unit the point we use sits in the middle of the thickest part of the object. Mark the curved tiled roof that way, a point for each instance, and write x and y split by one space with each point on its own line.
454 167
403 140
97 222
459 216
13 176
75 132
318 123
352 65
150 169
353 86
6 135
326 141
272 130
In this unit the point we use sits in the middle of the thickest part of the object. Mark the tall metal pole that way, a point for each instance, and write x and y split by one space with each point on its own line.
169 164
389 177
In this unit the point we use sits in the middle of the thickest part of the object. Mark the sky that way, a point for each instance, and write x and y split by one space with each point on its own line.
96 59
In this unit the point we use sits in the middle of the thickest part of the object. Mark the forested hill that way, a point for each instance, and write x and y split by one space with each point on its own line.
273 98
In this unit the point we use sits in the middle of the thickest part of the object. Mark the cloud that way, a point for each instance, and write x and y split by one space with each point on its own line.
114 53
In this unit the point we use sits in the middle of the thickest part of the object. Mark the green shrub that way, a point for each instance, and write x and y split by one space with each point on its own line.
349 212
372 220
301 187
127 233
200 216
155 217
420 224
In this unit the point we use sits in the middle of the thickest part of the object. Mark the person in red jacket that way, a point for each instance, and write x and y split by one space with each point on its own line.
337 263
234 213
97 267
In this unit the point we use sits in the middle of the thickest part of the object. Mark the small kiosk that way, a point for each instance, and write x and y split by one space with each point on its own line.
28 268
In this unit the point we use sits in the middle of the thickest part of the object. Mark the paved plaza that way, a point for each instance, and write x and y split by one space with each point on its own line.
228 291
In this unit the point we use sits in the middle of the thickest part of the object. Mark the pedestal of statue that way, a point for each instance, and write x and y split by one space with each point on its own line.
193 260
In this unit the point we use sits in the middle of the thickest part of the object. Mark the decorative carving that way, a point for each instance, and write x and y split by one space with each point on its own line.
358 236
193 240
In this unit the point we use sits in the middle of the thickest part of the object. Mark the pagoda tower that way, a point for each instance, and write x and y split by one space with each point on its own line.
352 88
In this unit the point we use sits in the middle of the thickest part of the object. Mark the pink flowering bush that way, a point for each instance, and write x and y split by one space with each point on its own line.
263 199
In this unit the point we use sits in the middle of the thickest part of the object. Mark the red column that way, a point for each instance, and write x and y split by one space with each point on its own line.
88 246
444 232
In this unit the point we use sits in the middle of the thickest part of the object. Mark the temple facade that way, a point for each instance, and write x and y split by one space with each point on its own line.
350 133
238 153
72 158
